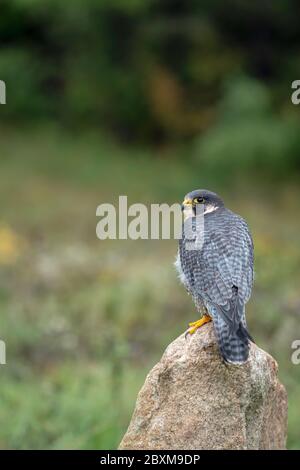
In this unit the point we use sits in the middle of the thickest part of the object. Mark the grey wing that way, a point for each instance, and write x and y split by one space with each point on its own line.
223 272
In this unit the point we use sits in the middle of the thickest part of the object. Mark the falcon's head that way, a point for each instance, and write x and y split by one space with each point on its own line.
209 201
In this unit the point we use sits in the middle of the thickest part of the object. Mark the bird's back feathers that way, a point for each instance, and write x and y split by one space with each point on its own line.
220 276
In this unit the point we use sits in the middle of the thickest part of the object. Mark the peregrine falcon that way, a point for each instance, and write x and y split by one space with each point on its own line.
219 274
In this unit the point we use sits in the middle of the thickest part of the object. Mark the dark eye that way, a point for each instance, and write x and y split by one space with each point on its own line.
200 200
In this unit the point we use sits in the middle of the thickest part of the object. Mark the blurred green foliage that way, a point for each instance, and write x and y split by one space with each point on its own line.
250 136
146 70
150 99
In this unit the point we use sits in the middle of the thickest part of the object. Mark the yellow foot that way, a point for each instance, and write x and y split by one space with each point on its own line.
196 324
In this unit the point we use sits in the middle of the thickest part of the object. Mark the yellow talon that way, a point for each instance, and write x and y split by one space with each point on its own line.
196 324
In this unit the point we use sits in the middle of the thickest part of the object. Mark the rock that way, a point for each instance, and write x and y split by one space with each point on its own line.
191 399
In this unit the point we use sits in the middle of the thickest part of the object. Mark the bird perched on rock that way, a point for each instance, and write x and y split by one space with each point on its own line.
215 264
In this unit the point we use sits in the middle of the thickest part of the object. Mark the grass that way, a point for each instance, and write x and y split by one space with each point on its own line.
83 319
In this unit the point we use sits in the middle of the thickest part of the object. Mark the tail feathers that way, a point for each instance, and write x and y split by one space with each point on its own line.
244 333
234 346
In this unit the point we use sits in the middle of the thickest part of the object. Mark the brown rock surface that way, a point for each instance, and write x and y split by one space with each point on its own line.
192 400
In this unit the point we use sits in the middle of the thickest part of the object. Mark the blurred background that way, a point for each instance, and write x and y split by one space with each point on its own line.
150 99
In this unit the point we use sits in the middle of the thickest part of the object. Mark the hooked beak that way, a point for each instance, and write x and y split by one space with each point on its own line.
187 208
187 203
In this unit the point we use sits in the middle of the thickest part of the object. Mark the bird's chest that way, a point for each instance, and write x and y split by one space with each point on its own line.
185 269
179 269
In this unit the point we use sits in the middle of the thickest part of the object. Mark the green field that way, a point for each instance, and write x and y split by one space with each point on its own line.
84 320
